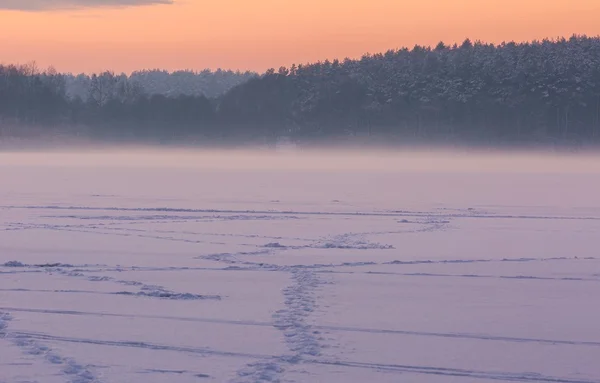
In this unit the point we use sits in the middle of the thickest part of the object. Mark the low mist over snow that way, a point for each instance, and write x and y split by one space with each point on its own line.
290 157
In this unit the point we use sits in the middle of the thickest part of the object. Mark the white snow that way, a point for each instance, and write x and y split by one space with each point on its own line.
240 267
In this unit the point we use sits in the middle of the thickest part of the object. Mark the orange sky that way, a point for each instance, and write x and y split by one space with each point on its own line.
257 34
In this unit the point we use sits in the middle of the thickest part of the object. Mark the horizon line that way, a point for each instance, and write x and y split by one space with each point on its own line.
452 45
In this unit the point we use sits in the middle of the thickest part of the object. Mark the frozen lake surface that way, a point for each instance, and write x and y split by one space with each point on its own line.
177 267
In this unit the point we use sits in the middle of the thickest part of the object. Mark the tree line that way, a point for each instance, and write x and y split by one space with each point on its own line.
511 93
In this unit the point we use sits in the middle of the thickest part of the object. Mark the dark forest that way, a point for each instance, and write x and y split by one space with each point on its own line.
540 92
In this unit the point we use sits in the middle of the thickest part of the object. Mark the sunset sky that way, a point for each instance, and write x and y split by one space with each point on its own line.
125 35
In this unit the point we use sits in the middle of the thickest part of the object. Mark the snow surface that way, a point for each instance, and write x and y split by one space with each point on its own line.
149 271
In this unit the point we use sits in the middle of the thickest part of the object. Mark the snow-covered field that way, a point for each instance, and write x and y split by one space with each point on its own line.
176 268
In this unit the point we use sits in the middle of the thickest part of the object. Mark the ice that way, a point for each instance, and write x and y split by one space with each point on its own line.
244 267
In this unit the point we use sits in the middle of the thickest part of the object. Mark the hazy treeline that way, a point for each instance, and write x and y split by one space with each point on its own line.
542 91
184 82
